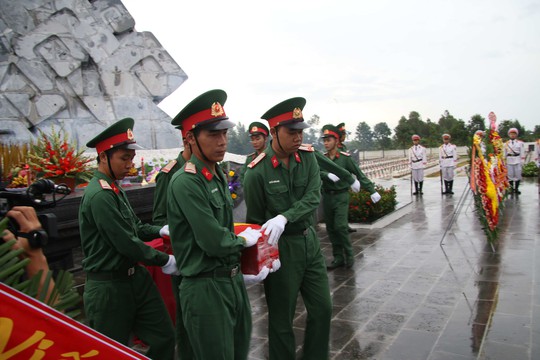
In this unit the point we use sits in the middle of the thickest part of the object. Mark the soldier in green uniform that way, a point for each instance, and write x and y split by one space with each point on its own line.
120 296
213 297
159 217
342 136
335 194
282 191
258 135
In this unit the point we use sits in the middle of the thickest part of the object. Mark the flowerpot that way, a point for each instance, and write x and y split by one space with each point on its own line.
69 182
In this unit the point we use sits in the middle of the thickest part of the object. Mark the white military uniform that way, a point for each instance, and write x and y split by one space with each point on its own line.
514 152
448 160
417 161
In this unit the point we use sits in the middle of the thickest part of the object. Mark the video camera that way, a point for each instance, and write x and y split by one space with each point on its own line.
34 196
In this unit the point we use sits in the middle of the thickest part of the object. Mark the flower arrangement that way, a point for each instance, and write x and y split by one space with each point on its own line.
488 180
362 209
234 184
52 156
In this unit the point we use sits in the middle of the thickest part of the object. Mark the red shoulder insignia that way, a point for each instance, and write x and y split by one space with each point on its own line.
306 147
256 160
169 166
345 153
190 168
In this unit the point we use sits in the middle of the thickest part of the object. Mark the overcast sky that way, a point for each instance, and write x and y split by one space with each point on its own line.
354 60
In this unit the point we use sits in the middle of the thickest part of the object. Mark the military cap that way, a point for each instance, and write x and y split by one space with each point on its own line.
513 130
287 113
204 112
256 128
330 130
446 136
341 128
118 135
480 133
415 137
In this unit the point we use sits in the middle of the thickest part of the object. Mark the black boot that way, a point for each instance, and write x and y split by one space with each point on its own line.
511 187
516 190
450 186
445 187
420 186
415 188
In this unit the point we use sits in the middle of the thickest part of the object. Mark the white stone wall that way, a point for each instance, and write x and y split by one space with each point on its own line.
81 65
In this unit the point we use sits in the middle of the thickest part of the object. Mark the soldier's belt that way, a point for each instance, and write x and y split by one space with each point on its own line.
295 232
124 274
335 191
448 157
415 161
512 154
218 273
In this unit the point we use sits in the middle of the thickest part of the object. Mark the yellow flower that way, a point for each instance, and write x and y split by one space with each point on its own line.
231 173
234 196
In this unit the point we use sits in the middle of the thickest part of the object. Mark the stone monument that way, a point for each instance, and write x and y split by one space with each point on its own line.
80 65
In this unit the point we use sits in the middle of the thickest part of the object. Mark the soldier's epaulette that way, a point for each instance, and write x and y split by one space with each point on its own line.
169 166
104 184
190 168
256 160
345 153
306 147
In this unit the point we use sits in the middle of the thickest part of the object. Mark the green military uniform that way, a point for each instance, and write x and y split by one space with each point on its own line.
272 189
120 296
159 217
214 300
255 128
335 196
342 134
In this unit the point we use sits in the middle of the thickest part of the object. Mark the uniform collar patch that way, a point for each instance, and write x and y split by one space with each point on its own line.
297 157
207 174
275 161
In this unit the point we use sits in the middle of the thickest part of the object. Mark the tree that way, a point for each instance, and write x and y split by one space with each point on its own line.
381 133
408 127
456 128
476 123
239 140
364 136
311 134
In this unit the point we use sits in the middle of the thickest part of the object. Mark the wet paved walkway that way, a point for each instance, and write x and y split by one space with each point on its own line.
408 297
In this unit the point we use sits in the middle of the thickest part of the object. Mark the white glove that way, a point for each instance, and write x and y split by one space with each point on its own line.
170 267
375 197
276 264
355 187
253 279
274 228
164 231
333 177
251 236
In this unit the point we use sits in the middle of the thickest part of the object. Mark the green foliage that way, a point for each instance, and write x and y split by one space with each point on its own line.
530 170
364 136
362 209
12 273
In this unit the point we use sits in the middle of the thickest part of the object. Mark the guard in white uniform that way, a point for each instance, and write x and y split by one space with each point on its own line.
417 161
514 152
447 161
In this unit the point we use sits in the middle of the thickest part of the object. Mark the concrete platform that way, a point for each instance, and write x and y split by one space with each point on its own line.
413 294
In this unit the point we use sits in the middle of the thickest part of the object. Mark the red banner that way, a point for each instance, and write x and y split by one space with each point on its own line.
30 329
